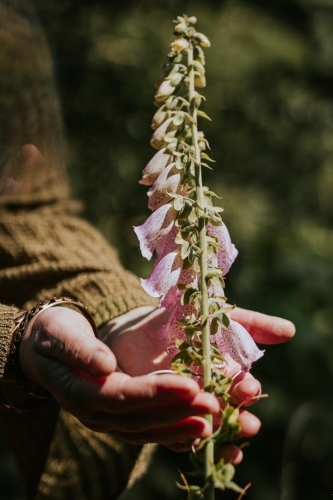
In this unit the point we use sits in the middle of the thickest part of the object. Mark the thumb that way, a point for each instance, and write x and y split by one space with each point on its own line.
66 336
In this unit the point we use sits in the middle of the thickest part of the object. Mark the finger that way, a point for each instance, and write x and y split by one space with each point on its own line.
250 424
66 336
230 453
188 429
121 393
28 157
263 328
155 416
247 391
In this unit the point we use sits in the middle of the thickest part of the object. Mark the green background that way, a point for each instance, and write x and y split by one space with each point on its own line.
270 95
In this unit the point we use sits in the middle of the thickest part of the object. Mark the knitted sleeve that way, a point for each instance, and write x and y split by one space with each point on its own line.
50 252
7 315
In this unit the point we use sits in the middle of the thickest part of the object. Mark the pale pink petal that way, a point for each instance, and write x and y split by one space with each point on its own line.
167 245
238 343
158 193
167 127
153 169
153 233
165 275
187 276
172 330
228 252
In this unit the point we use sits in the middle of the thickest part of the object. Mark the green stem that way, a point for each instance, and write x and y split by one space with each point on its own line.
209 448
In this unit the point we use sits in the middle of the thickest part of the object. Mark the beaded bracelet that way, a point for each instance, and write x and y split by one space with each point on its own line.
22 320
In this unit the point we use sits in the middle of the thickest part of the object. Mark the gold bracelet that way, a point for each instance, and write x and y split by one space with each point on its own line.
21 322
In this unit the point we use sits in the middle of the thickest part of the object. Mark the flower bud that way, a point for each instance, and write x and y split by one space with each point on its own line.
179 44
180 28
167 127
200 78
202 147
200 81
155 167
167 182
159 117
164 90
176 79
192 20
197 100
202 40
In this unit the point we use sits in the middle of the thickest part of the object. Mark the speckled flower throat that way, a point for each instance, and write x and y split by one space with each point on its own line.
193 250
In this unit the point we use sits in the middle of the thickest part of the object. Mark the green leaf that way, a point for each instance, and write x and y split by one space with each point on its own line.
196 299
185 212
225 320
214 218
206 157
186 297
203 115
205 165
211 193
214 326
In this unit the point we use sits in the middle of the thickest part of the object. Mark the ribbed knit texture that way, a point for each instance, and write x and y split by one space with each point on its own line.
49 251
46 251
66 478
7 315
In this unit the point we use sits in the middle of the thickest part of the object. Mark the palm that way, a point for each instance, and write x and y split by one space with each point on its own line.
137 347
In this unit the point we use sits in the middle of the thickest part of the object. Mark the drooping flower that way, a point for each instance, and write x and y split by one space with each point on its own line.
154 232
238 343
186 277
167 182
155 167
165 275
159 117
202 39
227 253
179 44
164 91
158 138
172 329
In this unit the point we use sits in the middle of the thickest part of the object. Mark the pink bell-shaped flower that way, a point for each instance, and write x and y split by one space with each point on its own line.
167 182
155 167
227 254
154 232
165 275
238 343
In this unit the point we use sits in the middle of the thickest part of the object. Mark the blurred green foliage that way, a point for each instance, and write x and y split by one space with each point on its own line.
270 94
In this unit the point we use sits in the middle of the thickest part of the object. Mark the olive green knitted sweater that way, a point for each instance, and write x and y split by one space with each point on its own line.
48 251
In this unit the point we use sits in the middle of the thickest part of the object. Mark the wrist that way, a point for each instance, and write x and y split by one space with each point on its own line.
23 378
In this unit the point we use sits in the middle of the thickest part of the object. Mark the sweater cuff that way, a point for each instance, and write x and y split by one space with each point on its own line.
7 316
106 294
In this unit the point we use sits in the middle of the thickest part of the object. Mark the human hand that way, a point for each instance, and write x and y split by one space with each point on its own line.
60 353
132 337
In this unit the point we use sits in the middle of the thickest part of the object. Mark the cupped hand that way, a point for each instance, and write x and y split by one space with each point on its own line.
60 353
132 338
